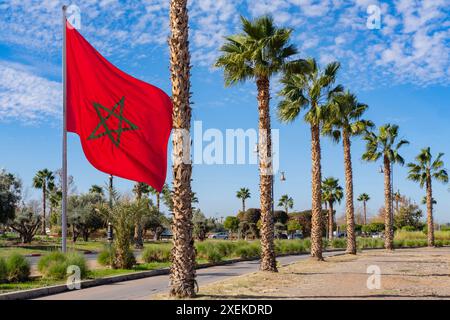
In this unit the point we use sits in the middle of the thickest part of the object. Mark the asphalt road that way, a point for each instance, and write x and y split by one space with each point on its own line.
142 289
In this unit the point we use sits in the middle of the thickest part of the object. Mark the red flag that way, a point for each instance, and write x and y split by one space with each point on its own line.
123 123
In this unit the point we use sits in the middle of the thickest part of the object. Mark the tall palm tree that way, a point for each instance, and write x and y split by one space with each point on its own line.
139 190
344 122
364 197
182 269
157 195
258 53
307 87
286 202
332 192
243 194
397 199
45 180
385 145
423 171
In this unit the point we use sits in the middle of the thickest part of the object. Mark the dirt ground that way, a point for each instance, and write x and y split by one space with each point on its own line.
405 274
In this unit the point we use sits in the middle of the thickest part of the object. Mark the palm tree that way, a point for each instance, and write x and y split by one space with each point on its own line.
364 197
344 121
139 190
45 180
286 202
182 269
243 194
96 189
258 53
307 87
157 195
423 171
384 144
397 199
332 192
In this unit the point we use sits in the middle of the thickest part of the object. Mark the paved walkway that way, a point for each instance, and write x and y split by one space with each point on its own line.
143 288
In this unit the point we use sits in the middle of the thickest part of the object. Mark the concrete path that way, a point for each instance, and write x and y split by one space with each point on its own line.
143 288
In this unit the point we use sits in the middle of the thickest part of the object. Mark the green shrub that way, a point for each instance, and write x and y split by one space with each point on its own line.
211 251
439 243
249 250
338 243
18 268
156 253
3 271
54 265
104 257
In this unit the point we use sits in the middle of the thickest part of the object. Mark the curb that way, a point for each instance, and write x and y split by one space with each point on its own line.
51 290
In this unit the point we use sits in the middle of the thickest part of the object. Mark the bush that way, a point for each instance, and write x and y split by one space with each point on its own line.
18 268
210 251
54 265
3 271
156 253
338 243
289 246
248 250
104 257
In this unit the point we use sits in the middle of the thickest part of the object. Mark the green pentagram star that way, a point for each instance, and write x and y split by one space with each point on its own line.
111 113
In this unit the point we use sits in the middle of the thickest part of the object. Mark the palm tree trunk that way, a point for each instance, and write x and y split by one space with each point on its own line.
243 205
316 219
388 228
182 270
365 212
44 196
268 262
350 213
330 221
430 223
158 201
138 241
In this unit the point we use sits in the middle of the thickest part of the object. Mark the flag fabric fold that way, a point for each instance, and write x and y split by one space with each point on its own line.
123 123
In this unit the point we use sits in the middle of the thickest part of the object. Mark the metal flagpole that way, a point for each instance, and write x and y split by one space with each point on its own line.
64 141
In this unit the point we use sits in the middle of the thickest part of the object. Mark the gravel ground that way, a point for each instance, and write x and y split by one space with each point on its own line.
405 274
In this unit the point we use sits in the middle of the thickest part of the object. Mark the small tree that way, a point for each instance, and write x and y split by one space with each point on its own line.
26 223
286 202
231 224
82 216
293 226
243 194
10 194
122 216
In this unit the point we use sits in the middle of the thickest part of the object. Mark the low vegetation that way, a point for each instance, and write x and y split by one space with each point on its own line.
54 265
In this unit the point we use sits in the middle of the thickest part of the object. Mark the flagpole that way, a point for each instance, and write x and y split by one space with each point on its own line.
64 141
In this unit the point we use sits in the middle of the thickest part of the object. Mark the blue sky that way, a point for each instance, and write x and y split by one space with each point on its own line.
402 71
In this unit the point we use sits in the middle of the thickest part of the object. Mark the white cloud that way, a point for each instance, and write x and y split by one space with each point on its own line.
26 97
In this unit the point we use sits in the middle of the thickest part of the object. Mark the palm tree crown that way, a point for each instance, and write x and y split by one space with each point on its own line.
261 50
243 194
425 168
344 113
332 192
305 85
363 197
286 202
384 144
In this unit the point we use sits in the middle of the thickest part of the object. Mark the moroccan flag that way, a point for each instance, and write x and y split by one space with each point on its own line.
123 123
